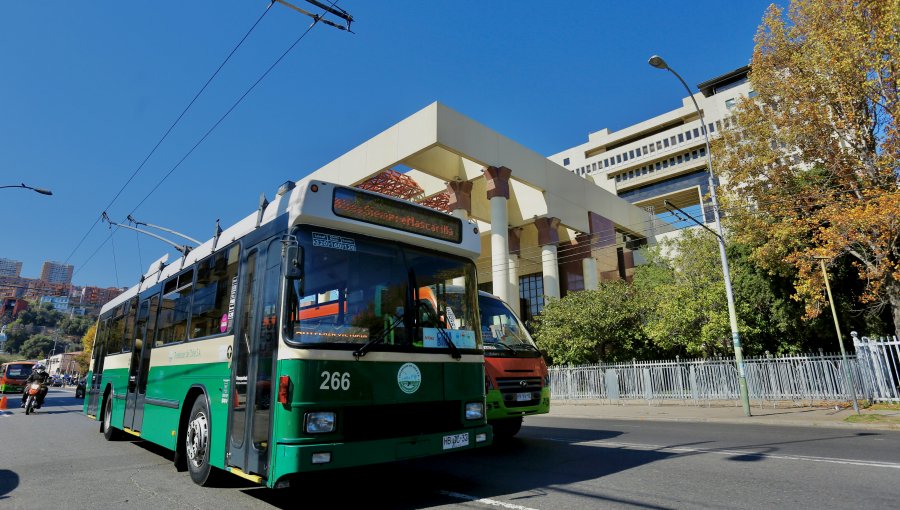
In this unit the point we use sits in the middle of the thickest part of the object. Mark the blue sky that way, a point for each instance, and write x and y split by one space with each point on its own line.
88 88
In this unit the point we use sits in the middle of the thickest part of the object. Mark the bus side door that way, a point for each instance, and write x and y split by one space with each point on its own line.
140 363
255 343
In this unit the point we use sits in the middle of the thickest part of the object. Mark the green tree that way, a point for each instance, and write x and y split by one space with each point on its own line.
684 289
16 335
37 346
683 285
592 326
75 326
812 169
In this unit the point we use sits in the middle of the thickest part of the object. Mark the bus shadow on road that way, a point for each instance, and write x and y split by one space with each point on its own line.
529 467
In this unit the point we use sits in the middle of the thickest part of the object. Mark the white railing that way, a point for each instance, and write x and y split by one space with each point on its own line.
879 361
812 378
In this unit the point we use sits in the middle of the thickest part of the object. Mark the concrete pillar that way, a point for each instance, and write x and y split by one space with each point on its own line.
548 238
498 193
591 278
514 249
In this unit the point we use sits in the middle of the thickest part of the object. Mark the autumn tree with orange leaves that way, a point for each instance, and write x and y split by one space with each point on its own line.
812 167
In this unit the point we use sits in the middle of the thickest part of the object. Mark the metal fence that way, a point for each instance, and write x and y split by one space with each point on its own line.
879 362
801 378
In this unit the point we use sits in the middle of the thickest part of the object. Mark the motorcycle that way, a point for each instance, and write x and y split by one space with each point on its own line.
34 389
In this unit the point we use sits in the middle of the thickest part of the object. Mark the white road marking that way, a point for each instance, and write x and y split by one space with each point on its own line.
719 451
485 501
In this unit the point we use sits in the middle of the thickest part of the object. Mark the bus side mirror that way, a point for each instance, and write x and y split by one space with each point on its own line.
293 262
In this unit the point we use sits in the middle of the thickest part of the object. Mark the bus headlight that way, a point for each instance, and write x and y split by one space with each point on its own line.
319 422
474 410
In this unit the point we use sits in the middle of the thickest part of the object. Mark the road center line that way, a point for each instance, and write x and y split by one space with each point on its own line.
721 451
485 501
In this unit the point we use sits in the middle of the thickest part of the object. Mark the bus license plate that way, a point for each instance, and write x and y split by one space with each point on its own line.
523 397
456 441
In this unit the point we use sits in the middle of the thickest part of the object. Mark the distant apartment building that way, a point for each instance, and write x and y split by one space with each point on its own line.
9 267
662 158
57 272
97 296
64 305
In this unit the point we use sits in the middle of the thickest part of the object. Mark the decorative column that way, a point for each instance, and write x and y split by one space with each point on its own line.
515 235
498 193
460 195
591 278
460 203
548 238
588 262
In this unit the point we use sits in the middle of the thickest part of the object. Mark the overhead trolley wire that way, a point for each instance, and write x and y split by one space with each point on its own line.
211 129
171 127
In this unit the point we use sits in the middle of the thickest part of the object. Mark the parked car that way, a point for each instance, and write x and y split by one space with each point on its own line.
79 388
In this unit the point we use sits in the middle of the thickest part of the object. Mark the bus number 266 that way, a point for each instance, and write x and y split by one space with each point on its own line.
335 381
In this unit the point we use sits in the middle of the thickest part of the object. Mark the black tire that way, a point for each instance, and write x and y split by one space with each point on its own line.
29 405
506 429
197 434
110 433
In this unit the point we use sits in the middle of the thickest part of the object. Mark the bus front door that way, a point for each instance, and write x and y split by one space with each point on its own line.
140 364
255 343
98 355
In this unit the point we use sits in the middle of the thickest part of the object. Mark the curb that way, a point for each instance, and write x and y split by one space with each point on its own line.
753 420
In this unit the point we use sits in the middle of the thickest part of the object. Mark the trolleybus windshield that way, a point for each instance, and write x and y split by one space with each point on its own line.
356 289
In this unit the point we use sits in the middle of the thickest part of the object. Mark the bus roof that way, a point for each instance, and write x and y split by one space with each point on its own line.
301 206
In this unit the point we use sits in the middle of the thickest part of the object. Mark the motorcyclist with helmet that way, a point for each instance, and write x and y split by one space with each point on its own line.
38 374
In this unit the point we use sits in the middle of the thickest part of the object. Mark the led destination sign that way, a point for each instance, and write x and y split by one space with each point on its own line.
393 214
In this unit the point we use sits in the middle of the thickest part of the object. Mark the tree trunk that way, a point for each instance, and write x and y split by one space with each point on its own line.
893 290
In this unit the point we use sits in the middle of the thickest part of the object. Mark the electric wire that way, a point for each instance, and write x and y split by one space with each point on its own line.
170 128
211 129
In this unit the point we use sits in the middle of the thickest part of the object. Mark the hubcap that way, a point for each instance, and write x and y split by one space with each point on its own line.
107 415
197 438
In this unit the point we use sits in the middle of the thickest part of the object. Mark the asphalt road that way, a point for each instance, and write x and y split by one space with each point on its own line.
56 459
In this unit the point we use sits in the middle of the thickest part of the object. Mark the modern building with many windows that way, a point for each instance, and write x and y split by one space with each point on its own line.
662 158
9 267
57 272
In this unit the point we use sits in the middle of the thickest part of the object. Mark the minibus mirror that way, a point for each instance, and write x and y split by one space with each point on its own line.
293 262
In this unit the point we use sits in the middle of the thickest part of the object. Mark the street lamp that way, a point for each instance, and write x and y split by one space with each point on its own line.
657 62
837 328
42 191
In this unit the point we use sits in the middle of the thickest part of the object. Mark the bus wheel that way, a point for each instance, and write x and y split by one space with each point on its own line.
109 432
196 443
506 429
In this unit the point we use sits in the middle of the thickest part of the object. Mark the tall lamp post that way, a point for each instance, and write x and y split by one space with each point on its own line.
42 191
837 327
657 62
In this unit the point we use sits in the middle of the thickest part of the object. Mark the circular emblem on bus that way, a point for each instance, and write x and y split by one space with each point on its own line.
409 378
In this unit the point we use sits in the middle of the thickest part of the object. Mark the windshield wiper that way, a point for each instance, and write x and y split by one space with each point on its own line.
454 351
358 353
501 344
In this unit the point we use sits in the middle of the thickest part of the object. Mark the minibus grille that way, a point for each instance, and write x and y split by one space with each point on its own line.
512 387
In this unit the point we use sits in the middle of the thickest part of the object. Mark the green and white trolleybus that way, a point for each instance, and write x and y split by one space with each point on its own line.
316 333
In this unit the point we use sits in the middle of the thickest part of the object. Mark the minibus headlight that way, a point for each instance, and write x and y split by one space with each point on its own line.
474 410
319 422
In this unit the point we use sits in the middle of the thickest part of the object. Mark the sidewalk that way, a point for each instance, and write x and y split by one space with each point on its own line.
726 412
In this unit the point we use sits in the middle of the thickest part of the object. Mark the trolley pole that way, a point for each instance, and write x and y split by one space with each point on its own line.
850 384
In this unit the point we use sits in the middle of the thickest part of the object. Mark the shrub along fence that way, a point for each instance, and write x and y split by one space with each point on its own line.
875 372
